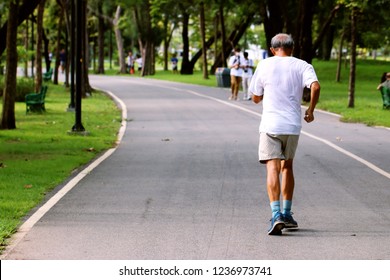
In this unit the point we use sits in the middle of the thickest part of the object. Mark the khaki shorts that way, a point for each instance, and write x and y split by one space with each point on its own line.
273 146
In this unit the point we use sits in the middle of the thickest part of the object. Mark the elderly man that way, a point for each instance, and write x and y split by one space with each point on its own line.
279 82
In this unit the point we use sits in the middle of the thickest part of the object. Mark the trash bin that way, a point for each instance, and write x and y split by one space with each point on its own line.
223 77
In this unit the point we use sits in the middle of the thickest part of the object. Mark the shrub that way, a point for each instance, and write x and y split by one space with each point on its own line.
23 87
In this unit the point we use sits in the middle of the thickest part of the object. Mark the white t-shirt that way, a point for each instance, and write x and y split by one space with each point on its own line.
233 60
249 71
281 80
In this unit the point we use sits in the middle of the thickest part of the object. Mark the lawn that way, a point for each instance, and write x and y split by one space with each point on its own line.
368 100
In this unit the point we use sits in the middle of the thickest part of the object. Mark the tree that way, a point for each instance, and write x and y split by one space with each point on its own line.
24 11
186 67
146 40
38 56
297 20
352 65
303 32
203 36
119 39
58 43
101 29
8 114
164 14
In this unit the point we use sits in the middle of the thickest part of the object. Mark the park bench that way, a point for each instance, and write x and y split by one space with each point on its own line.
47 76
385 91
35 102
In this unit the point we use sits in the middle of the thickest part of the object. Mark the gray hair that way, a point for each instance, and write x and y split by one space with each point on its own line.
282 40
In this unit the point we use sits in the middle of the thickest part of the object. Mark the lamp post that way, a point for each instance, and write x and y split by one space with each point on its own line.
78 127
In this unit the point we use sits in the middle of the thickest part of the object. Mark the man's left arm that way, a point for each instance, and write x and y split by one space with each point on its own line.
314 96
257 99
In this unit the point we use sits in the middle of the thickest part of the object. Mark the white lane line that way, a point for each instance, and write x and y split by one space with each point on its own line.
30 222
326 142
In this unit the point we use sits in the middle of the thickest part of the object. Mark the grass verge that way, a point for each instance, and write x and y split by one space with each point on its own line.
40 154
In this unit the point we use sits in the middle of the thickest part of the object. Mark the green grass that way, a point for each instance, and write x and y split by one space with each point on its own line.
40 154
368 100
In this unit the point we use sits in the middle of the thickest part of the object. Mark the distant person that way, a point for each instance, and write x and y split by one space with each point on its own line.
279 81
384 77
384 87
50 56
130 63
235 65
62 60
139 62
247 76
174 62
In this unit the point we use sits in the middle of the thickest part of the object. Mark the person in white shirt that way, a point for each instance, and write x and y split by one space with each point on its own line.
130 63
235 73
247 76
139 62
279 82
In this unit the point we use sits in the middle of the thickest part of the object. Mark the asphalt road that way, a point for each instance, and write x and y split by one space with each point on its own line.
185 183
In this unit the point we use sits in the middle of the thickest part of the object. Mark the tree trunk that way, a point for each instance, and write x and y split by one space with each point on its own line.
167 39
26 47
46 52
148 58
65 7
340 57
303 36
223 35
327 35
146 38
119 41
272 20
216 27
203 35
38 55
58 48
186 67
101 30
87 89
352 71
8 114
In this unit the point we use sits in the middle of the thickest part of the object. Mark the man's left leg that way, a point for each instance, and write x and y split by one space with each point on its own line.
287 190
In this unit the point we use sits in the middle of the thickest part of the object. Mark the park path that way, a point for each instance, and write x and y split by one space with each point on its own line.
184 183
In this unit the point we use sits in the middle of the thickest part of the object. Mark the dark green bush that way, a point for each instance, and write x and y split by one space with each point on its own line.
23 87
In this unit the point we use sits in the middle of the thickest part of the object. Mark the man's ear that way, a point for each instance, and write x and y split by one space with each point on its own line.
272 50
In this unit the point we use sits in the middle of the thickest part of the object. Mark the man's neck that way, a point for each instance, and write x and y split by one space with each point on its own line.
282 52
